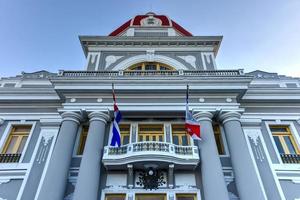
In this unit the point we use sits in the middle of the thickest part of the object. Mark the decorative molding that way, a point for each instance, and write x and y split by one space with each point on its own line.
228 100
50 121
151 21
150 55
254 122
100 116
99 100
72 100
199 116
201 100
296 181
151 179
93 58
3 181
189 59
71 116
44 149
229 116
254 135
111 59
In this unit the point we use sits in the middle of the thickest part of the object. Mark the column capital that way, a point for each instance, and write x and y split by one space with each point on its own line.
229 116
72 116
203 115
99 116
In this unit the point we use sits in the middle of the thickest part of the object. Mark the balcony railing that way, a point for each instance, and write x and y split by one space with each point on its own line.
138 73
290 158
157 151
10 158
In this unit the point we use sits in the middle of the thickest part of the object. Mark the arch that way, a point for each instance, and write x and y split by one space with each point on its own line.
149 58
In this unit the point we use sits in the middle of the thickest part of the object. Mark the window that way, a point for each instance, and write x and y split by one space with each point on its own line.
186 197
125 133
150 66
17 139
82 140
179 135
151 132
218 138
284 139
150 197
115 196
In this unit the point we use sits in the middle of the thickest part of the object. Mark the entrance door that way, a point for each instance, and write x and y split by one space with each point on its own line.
150 197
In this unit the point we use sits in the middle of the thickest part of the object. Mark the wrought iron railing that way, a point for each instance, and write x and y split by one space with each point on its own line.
10 158
183 150
139 73
290 158
151 147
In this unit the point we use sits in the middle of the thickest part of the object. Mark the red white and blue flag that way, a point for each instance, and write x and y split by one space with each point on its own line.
116 134
192 127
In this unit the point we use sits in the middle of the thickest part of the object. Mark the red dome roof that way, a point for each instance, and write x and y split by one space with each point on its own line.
137 21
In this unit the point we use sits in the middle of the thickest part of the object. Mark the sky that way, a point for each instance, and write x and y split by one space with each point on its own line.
43 34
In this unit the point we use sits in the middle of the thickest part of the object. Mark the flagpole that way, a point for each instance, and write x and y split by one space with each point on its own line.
113 92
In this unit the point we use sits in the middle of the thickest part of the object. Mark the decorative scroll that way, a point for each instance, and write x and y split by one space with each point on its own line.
254 136
111 59
189 59
151 179
42 154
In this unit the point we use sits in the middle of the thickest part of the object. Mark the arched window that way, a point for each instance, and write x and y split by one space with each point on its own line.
150 66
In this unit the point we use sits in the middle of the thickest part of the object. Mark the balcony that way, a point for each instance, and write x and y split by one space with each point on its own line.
290 158
160 152
10 158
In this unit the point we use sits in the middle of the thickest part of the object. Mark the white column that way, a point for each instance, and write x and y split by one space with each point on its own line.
246 178
87 186
214 186
55 181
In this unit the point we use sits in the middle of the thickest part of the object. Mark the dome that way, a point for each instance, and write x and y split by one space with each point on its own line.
150 20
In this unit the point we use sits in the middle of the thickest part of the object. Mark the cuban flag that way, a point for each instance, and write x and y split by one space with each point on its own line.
192 127
116 134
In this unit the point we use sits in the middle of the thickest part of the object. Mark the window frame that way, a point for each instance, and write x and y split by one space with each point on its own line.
282 141
186 194
293 131
221 137
116 194
81 134
8 130
149 124
129 134
190 141
143 67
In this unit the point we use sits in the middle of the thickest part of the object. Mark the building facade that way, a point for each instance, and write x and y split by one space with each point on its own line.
55 128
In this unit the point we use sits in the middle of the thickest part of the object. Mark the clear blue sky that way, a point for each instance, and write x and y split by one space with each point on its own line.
43 34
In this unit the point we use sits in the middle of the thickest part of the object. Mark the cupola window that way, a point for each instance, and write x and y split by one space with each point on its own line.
150 66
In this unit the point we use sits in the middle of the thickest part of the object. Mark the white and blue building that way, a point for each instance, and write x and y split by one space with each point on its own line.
55 128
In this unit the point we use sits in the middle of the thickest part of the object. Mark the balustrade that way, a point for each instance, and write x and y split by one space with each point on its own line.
10 158
290 158
139 73
151 147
